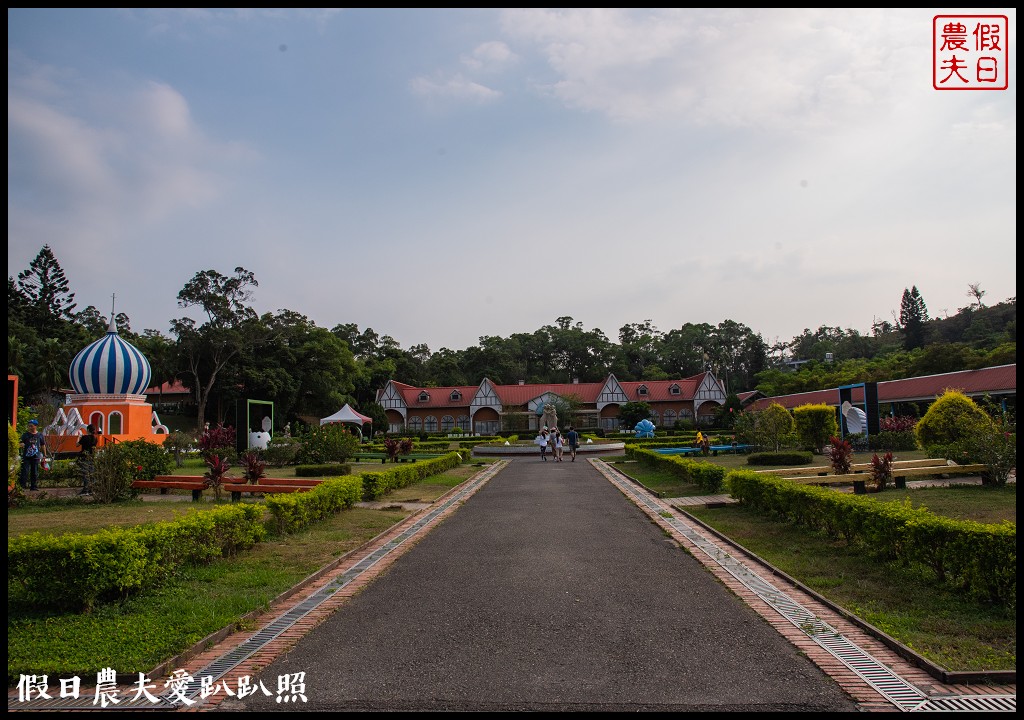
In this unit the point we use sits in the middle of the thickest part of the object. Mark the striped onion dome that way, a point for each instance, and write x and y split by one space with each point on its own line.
110 366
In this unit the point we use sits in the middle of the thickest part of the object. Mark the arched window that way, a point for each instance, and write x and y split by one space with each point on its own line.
415 423
655 419
115 424
430 423
463 423
447 423
96 420
670 418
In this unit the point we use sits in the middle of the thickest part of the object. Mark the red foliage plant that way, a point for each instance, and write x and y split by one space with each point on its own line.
881 470
840 454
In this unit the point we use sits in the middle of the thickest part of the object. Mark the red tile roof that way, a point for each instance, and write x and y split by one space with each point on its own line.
439 396
520 394
1000 380
513 395
169 388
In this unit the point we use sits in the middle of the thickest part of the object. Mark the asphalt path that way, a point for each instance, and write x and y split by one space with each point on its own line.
548 590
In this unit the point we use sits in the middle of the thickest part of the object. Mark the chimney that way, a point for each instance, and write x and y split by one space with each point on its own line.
522 382
575 381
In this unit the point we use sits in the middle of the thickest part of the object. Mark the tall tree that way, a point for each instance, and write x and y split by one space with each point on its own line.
43 292
974 291
231 328
913 316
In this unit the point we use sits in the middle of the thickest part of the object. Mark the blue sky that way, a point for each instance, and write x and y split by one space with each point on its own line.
441 175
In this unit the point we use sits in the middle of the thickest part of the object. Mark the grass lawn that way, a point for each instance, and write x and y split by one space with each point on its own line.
139 633
957 634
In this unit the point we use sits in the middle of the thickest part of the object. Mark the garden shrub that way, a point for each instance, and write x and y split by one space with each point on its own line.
218 441
708 476
178 444
975 558
149 459
840 454
786 457
994 446
332 469
815 424
282 451
114 470
881 470
951 418
327 443
293 512
898 440
773 427
77 571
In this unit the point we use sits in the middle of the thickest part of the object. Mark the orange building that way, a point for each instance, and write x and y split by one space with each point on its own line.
109 378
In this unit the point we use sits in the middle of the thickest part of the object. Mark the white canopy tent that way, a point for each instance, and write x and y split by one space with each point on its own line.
347 415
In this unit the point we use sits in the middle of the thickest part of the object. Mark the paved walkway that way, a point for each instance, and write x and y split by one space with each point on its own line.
560 586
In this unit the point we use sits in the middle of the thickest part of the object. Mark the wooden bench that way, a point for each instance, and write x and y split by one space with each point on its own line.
899 474
856 467
273 485
164 483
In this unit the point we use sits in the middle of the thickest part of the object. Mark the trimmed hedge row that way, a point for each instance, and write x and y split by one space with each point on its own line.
708 476
295 511
379 484
333 469
781 458
77 571
976 558
417 446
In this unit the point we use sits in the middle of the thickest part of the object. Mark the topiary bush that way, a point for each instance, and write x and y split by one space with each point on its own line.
952 418
789 457
815 424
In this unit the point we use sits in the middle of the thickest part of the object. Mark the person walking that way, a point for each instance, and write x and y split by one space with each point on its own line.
86 458
558 446
542 442
573 438
33 450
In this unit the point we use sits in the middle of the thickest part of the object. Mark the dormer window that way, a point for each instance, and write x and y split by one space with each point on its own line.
424 397
642 390
673 389
456 395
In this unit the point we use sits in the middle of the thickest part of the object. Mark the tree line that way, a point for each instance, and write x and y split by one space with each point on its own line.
233 353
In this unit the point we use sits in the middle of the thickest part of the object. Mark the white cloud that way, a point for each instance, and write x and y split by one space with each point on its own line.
771 68
490 56
456 87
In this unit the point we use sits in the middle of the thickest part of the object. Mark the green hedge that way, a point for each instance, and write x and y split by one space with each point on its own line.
781 458
977 558
294 511
708 476
379 484
77 571
323 470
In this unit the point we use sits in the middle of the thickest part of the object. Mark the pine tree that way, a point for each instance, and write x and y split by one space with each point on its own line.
913 315
44 289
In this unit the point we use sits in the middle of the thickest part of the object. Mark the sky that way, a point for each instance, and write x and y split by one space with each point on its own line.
440 175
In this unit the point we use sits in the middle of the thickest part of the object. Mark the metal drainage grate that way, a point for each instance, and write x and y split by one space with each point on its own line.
892 687
233 658
970 703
